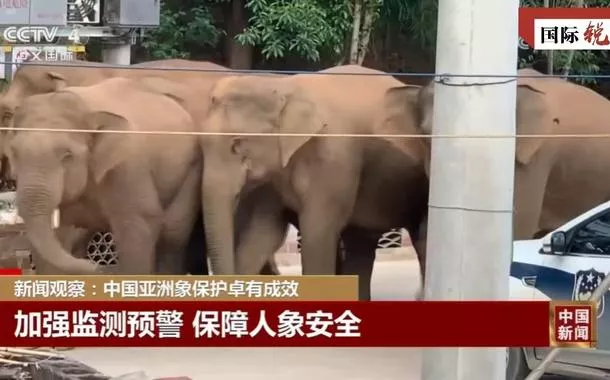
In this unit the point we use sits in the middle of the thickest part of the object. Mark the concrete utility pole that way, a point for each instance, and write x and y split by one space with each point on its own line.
470 228
116 53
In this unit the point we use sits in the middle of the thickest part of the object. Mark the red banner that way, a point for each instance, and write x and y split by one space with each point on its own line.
271 324
528 15
11 272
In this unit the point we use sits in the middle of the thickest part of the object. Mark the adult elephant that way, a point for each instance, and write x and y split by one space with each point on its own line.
50 76
330 182
145 189
556 179
255 225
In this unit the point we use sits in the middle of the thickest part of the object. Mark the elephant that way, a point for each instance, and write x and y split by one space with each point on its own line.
577 179
251 214
143 188
47 76
358 187
50 76
556 179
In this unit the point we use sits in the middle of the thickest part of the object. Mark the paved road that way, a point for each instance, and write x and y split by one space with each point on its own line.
393 280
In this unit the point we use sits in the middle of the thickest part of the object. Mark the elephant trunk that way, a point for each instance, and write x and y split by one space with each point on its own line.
218 210
36 205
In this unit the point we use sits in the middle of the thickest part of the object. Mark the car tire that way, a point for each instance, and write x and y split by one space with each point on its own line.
516 365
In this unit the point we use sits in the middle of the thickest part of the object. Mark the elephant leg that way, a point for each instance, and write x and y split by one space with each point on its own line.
196 250
135 238
360 247
270 269
262 229
340 246
420 250
530 187
419 236
321 225
136 219
178 223
327 195
340 259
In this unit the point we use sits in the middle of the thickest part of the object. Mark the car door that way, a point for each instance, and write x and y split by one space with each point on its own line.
575 274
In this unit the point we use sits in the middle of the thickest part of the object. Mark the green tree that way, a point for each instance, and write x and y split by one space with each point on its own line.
328 30
185 27
308 28
413 18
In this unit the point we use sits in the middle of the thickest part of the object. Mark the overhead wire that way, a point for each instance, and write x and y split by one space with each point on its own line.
442 79
99 65
286 134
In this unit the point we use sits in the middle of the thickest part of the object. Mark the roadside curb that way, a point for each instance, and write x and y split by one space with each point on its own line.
288 259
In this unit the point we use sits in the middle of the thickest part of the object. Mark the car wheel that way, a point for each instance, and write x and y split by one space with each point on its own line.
516 365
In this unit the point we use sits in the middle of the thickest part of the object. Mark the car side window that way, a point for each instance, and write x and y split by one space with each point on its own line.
593 237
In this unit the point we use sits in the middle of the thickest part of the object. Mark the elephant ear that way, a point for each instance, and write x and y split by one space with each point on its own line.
298 114
165 87
58 81
535 116
109 150
401 116
109 106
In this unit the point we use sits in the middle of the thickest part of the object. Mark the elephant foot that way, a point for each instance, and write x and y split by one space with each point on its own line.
270 269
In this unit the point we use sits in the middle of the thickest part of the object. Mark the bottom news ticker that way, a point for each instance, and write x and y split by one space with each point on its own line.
271 324
268 311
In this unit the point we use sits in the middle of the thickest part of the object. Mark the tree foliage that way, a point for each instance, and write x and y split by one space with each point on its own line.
413 18
323 30
185 26
306 28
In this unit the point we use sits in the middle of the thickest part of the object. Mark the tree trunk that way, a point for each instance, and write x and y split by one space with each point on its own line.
367 28
239 56
353 52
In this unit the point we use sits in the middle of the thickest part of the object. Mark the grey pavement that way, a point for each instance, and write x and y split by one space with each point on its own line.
392 280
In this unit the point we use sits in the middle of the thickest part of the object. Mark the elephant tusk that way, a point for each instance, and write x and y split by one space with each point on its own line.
56 218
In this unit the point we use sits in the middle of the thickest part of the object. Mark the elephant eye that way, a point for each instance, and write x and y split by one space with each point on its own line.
66 155
6 117
236 146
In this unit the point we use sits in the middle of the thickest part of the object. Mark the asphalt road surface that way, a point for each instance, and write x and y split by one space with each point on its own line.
392 280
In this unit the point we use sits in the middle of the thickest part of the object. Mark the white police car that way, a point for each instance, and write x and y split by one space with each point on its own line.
566 264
